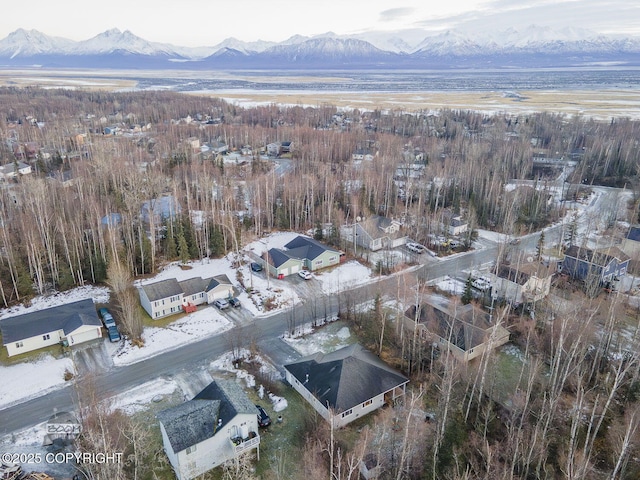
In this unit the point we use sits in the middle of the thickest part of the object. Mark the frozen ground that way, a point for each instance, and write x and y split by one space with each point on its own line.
331 337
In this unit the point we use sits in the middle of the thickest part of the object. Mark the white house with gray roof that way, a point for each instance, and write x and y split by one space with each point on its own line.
167 297
346 384
70 324
219 424
301 253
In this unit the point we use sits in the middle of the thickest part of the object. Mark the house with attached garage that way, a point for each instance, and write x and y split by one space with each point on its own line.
301 253
170 296
218 425
69 324
462 330
375 232
346 384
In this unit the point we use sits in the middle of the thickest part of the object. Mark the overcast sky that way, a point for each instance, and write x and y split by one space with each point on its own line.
208 22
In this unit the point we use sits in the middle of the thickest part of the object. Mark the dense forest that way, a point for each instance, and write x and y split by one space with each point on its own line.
121 184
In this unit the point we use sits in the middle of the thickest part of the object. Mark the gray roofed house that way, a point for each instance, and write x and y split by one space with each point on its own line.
375 232
162 289
463 330
71 323
345 384
301 252
219 424
168 297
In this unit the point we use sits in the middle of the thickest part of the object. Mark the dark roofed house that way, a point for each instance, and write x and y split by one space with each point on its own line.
376 232
345 384
219 424
71 324
463 330
606 264
301 253
524 283
631 246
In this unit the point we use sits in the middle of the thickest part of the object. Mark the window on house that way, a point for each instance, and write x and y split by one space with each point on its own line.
46 337
333 259
191 449
318 262
347 413
367 403
19 344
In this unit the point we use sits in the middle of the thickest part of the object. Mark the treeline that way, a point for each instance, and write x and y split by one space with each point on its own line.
56 228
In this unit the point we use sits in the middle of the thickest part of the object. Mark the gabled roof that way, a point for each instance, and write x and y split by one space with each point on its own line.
162 289
466 328
217 280
277 257
306 248
345 378
67 317
521 274
190 422
191 286
601 257
197 420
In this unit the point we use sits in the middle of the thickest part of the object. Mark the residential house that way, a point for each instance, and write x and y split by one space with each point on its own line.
362 154
376 232
631 243
274 149
463 330
346 384
301 253
453 224
168 297
606 264
525 283
69 324
13 170
218 425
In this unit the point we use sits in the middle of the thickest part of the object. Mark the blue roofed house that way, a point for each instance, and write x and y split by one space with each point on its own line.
170 296
70 324
218 425
631 246
606 264
301 253
346 384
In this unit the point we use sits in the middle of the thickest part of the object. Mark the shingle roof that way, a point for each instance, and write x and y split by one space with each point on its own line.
306 247
194 421
67 317
190 422
195 285
466 330
162 289
345 378
277 257
600 257
217 280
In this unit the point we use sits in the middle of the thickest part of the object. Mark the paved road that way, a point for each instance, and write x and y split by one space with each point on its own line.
266 331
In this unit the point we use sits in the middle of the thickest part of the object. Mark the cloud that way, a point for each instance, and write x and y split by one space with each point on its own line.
395 13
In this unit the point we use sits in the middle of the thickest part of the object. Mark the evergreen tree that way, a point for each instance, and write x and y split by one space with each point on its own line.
540 246
467 295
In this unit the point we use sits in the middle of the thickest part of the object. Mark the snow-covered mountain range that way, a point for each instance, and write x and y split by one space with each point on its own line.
535 46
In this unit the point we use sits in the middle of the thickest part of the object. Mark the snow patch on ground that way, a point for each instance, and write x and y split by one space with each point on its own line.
343 277
138 398
328 339
195 326
28 379
279 403
451 285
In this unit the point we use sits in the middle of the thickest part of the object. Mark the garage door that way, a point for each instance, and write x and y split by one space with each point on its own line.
294 269
80 337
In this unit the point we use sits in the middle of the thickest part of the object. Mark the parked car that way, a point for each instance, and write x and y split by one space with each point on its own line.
415 247
221 304
114 334
102 312
256 267
306 274
108 320
263 419
234 302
